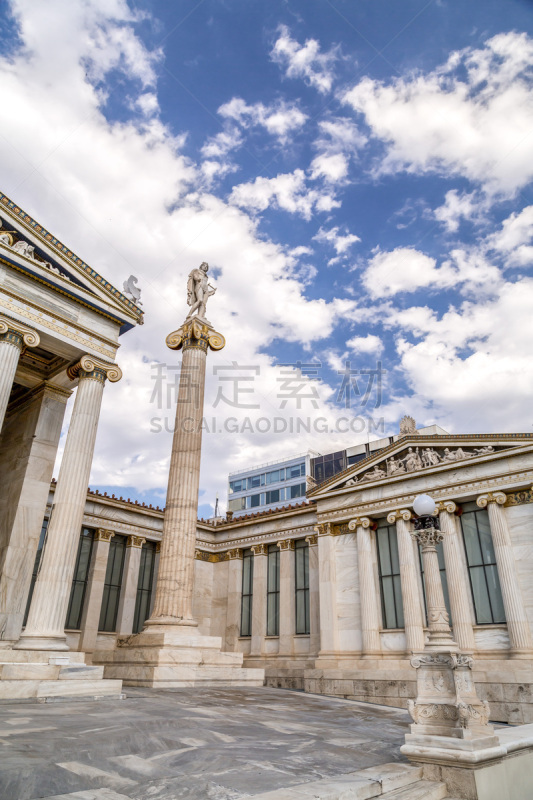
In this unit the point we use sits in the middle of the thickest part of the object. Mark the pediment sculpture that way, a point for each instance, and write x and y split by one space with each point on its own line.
24 248
415 459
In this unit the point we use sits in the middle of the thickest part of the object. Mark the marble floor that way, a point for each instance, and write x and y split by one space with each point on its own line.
193 744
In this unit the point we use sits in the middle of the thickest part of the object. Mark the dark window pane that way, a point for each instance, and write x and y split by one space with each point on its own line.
113 584
79 583
481 559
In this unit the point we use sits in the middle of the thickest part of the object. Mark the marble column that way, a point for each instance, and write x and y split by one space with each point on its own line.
155 574
174 589
130 581
13 337
28 448
412 602
327 570
457 578
95 590
45 628
287 597
368 594
234 599
517 623
314 596
259 599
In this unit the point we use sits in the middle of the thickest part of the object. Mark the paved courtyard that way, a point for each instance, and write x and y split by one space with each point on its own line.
189 743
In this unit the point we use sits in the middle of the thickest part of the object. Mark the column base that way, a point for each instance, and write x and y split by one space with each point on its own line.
521 654
172 656
41 643
44 676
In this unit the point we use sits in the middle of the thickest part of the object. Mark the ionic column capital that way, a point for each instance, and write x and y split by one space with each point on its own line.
135 541
447 505
103 535
360 522
324 529
491 497
234 554
394 516
18 334
286 544
312 539
95 369
259 549
194 334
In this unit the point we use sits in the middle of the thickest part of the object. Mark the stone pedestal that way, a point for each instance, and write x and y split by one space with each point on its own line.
170 652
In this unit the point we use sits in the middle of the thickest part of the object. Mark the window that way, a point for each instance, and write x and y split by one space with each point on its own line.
389 577
113 584
255 481
144 586
355 458
247 592
295 471
482 569
272 496
255 501
236 503
443 578
273 591
301 560
79 583
237 486
298 490
326 466
274 477
36 568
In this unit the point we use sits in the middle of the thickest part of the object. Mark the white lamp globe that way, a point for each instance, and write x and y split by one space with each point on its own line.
424 505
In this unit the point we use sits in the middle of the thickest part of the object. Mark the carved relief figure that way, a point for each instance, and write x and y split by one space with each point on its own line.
394 467
374 474
455 455
412 460
430 457
483 451
407 426
199 291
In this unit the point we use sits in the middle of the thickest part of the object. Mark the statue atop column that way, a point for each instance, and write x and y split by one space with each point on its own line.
199 291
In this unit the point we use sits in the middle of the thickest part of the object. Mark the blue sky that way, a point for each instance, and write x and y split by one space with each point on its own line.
358 176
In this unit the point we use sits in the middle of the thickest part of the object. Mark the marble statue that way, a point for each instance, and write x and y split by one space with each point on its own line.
455 455
430 457
199 291
394 467
412 460
484 451
132 291
28 250
374 474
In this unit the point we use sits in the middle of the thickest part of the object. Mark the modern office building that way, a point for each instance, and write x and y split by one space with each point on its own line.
269 486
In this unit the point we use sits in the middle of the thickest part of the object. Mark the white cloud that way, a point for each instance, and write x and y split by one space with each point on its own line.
125 198
513 241
305 61
333 168
148 104
278 119
340 242
340 134
366 344
222 143
458 206
472 117
407 270
288 192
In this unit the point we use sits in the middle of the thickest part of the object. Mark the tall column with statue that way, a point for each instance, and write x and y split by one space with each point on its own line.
171 651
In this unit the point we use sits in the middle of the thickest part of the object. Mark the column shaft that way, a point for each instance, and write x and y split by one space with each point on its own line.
412 605
287 598
367 593
45 629
154 576
10 350
234 599
517 622
259 600
130 581
457 579
95 591
314 596
174 589
327 570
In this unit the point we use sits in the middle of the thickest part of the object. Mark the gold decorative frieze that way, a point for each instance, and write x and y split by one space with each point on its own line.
259 549
135 541
236 552
158 547
312 540
212 558
103 535
520 498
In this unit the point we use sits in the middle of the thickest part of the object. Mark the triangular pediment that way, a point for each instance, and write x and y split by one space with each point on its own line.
29 246
417 454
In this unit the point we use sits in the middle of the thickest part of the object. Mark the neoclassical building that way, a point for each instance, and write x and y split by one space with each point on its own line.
326 595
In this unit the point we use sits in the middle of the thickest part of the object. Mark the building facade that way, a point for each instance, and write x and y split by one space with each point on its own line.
269 486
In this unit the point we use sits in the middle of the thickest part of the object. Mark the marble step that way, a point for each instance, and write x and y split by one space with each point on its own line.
421 790
41 690
49 672
8 656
